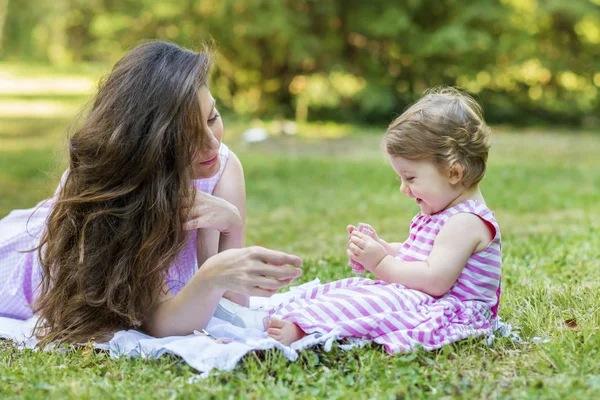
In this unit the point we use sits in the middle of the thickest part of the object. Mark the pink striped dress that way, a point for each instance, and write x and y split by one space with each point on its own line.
20 271
399 318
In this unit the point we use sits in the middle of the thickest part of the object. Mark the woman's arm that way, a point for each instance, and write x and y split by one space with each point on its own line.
190 309
220 217
253 271
231 187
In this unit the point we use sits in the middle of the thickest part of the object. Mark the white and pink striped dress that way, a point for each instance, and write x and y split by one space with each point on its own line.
399 318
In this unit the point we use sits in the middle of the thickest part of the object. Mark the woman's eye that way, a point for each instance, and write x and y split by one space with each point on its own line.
213 119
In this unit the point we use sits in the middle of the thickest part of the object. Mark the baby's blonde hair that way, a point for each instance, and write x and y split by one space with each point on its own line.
445 126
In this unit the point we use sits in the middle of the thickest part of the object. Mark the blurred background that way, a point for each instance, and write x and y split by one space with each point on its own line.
530 62
307 88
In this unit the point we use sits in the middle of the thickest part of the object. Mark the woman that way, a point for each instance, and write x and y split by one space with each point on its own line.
151 193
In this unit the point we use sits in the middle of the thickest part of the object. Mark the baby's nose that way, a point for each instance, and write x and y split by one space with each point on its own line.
403 189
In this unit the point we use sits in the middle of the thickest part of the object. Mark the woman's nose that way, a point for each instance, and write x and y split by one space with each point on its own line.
211 142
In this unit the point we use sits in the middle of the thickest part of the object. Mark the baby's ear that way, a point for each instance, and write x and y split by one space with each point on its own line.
455 173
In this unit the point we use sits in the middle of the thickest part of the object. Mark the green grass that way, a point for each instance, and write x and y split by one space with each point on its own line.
302 193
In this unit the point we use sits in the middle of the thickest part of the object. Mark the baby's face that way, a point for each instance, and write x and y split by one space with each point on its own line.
433 190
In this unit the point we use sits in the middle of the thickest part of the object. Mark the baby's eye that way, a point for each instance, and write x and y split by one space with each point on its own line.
409 178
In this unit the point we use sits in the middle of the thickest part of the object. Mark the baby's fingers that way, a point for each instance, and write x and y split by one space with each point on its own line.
351 254
360 243
354 248
357 233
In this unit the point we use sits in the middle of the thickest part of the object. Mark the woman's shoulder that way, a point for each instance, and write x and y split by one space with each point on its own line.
225 154
208 185
231 183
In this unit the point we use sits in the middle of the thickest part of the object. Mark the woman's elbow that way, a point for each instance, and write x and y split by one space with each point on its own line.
156 324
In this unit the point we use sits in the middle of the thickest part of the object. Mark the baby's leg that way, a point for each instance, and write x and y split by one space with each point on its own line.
285 332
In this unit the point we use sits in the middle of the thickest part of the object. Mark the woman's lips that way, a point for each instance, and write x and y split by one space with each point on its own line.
210 161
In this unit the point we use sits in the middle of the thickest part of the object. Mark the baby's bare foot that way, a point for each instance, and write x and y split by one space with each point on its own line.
284 331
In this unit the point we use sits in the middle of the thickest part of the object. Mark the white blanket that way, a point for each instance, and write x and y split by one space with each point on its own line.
200 351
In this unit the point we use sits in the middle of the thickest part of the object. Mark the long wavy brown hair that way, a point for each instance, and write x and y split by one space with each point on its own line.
117 223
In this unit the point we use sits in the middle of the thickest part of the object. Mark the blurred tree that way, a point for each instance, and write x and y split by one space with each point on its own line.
528 60
3 13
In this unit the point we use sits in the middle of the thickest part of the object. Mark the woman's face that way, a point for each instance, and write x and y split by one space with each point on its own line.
206 161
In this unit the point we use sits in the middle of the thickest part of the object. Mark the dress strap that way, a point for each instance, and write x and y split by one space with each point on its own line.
474 207
207 185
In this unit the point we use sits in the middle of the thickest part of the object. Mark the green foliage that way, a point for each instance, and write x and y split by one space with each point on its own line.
529 61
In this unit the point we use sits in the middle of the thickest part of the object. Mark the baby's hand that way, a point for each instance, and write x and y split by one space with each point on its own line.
352 228
364 249
389 248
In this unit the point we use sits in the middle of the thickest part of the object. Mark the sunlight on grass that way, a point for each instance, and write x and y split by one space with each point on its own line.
27 91
36 109
10 85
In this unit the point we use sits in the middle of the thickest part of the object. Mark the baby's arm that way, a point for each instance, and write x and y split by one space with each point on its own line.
391 248
462 235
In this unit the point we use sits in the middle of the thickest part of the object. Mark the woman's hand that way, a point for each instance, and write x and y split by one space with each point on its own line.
255 271
208 211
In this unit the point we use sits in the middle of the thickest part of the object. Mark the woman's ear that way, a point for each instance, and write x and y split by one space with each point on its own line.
455 173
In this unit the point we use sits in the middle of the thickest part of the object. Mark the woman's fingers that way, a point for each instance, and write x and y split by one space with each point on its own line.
275 257
196 223
351 254
270 283
286 281
261 292
190 225
279 273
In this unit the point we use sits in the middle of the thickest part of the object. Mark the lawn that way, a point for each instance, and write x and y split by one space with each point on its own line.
543 186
